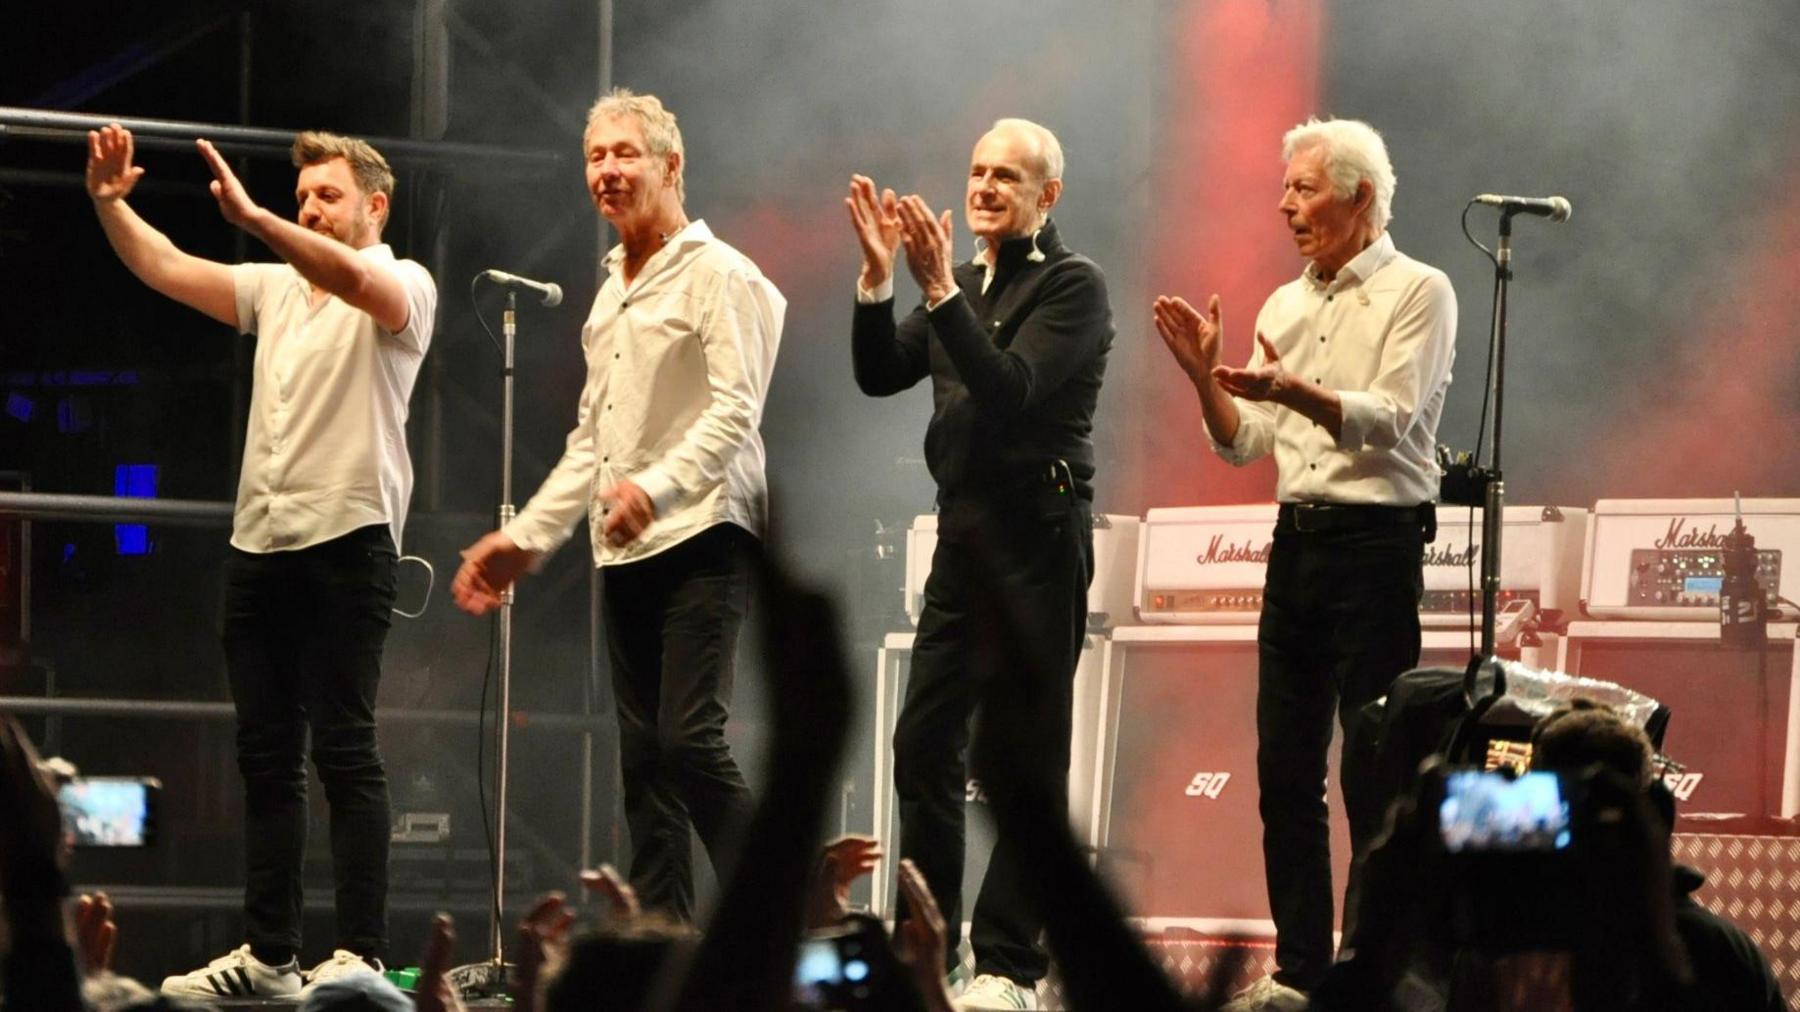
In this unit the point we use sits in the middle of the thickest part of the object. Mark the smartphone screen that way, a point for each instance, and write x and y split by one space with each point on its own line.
1484 811
110 811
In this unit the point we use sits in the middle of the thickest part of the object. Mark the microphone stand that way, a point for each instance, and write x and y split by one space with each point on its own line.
509 331
1493 508
489 978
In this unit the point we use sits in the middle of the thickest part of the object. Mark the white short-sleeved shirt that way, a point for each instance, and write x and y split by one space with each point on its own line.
325 449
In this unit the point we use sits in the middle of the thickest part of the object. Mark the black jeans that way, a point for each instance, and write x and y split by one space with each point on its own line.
1042 558
1340 620
672 625
303 634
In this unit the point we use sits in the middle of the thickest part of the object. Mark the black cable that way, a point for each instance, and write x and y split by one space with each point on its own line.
473 282
487 826
1469 568
1487 384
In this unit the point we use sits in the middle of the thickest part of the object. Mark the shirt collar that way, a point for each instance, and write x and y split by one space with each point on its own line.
982 246
693 233
1360 268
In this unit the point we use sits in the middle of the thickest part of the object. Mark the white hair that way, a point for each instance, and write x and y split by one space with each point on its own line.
1354 152
661 135
1048 160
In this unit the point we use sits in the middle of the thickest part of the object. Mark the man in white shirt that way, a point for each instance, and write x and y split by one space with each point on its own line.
666 462
1345 387
322 497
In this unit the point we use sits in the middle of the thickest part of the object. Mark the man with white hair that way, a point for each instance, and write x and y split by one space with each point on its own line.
1344 386
1015 344
666 463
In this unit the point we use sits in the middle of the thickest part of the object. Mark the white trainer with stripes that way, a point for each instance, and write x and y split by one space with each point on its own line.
237 974
342 964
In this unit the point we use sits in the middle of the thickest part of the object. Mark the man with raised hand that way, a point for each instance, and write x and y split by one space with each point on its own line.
666 462
1344 386
1015 343
342 326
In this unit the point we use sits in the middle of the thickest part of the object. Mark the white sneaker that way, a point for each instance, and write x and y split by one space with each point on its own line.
1267 995
237 974
342 963
987 991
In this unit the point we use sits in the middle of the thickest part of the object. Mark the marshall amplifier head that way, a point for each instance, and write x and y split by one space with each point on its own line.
1540 563
1204 565
1664 559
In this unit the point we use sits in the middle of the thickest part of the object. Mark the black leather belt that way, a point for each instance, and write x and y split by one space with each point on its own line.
1332 517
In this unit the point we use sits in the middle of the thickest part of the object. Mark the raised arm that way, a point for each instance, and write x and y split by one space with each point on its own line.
190 280
331 265
884 358
1069 327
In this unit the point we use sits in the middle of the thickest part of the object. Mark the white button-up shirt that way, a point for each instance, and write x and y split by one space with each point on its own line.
1382 334
325 451
678 367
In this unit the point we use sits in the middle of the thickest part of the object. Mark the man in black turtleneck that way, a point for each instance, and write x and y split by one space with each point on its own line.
1015 343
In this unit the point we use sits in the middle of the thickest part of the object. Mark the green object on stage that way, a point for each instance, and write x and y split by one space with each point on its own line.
406 978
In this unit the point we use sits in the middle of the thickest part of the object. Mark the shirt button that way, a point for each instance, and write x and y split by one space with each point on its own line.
1313 467
1321 338
616 354
604 459
1328 298
626 304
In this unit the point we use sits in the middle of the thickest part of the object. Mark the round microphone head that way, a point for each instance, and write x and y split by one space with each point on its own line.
1560 209
553 294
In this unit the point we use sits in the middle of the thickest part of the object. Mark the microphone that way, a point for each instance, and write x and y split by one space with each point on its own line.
549 292
1554 208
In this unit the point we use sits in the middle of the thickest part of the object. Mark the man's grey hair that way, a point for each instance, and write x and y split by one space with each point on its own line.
660 132
1048 161
1354 151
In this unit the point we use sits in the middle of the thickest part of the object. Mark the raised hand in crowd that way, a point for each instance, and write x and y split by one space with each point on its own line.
845 859
434 992
919 940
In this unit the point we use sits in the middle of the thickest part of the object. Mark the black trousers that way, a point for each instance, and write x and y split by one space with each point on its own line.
1038 555
1340 620
303 634
672 625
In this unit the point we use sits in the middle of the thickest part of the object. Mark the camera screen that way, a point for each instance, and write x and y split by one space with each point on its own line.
818 963
108 812
1485 811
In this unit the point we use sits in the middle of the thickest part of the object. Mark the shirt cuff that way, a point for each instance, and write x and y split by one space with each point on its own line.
932 306
1361 411
661 489
527 533
880 293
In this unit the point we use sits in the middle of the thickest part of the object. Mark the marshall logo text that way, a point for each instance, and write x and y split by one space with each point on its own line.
1449 555
1692 537
1219 550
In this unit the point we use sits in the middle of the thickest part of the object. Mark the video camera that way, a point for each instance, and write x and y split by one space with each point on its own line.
848 966
1530 854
